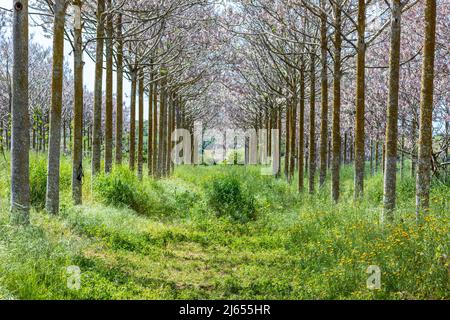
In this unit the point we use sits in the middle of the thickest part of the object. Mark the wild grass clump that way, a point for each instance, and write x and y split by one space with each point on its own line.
121 188
38 179
227 196
34 260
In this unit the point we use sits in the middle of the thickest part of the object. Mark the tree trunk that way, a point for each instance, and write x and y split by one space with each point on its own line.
371 157
324 97
336 133
329 153
165 129
413 149
426 112
97 121
293 136
1 136
155 128
150 126
351 149
301 129
133 119
20 138
360 102
169 135
77 157
287 143
278 125
109 89
312 123
345 149
402 157
64 131
390 171
377 155
54 147
119 95
141 125
162 125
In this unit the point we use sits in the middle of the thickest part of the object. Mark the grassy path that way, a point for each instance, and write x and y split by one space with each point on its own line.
294 248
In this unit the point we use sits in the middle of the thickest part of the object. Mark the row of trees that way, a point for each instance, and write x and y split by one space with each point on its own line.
162 49
357 66
318 70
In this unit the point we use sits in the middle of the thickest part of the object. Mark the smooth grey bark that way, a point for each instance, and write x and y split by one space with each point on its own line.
414 148
77 157
54 145
360 103
20 138
336 122
97 112
141 124
150 126
132 161
390 172
423 180
119 94
155 128
324 97
293 135
287 144
312 122
160 134
301 129
109 89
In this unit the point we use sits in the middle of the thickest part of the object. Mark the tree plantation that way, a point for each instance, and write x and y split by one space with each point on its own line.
197 149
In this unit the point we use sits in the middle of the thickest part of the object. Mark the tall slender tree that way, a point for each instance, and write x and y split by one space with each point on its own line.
360 101
150 125
324 95
390 172
336 120
301 128
97 112
134 77
312 121
119 94
77 154
141 124
54 146
426 112
155 127
20 138
109 87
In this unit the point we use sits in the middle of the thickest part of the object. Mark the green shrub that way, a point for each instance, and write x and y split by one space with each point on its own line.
228 197
38 179
38 182
121 188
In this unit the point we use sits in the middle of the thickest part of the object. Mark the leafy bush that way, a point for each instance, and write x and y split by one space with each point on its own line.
228 197
38 182
38 179
121 188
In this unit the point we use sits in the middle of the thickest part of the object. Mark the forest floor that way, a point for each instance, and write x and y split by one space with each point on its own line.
222 232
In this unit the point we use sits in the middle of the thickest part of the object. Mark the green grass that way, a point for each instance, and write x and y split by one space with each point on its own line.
171 239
